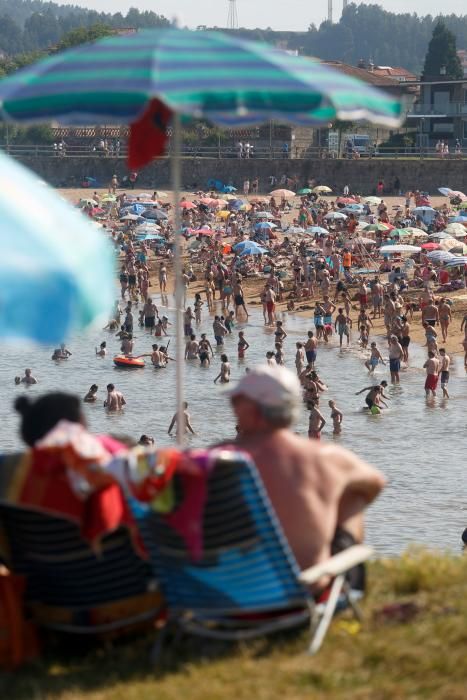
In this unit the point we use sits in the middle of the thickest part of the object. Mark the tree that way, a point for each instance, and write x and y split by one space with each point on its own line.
441 57
83 35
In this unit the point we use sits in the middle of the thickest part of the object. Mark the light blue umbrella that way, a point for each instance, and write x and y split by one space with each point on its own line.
57 269
458 220
264 225
150 237
251 248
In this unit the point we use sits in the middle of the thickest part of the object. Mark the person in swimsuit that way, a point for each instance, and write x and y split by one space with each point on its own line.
197 306
280 333
91 396
445 317
205 348
242 346
102 352
405 338
316 421
336 417
374 359
445 362
432 374
395 356
224 374
192 348
310 349
239 299
299 358
375 395
342 326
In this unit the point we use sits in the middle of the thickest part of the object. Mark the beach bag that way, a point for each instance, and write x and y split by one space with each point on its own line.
18 638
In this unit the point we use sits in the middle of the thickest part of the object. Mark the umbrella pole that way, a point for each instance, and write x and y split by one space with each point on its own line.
179 286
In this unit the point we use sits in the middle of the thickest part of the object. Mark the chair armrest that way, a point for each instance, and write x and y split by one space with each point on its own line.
338 564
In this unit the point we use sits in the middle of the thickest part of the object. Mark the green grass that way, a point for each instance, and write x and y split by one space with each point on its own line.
384 659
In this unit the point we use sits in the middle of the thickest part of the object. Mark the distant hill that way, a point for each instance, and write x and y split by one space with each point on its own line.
31 25
363 32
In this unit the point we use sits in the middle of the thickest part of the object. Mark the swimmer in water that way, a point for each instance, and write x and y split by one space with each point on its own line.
28 378
61 353
336 417
91 396
102 352
187 421
115 399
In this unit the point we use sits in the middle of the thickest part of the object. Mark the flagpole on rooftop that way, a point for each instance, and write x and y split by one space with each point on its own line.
179 286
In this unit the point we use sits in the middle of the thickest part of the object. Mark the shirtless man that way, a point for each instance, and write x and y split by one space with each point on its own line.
432 372
187 420
375 394
313 488
316 421
28 378
445 362
377 297
342 326
395 356
115 400
61 353
157 357
310 349
430 314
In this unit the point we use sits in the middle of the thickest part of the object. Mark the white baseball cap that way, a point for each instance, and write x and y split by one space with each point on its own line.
269 386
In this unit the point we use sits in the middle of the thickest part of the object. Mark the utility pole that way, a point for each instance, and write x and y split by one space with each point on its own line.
232 17
330 11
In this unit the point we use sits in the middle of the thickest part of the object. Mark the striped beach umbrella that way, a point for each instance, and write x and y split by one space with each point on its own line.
200 74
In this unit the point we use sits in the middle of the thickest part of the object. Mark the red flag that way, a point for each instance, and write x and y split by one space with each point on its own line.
148 135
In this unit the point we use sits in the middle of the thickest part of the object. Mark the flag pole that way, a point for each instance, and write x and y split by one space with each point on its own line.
178 283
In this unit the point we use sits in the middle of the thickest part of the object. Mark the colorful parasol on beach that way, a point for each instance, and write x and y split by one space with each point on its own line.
151 78
57 268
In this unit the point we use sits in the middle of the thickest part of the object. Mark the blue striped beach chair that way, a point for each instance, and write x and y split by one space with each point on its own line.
69 586
247 582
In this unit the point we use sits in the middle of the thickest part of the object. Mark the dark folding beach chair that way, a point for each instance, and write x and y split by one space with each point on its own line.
70 587
247 582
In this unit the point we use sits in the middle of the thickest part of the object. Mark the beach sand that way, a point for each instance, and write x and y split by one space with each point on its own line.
253 285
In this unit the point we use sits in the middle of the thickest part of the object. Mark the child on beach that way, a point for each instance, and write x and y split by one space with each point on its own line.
374 359
363 340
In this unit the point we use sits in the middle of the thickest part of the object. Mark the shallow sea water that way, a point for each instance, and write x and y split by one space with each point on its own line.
417 444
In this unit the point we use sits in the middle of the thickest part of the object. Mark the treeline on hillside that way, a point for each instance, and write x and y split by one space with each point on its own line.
363 31
369 32
30 25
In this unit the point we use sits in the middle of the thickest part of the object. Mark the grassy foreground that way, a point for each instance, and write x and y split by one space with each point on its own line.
409 651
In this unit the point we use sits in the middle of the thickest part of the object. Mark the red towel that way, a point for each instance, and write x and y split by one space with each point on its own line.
148 135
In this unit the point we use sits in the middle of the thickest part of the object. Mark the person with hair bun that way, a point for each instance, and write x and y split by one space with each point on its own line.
40 416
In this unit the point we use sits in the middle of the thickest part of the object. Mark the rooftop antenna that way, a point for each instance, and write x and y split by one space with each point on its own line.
329 10
344 4
232 17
